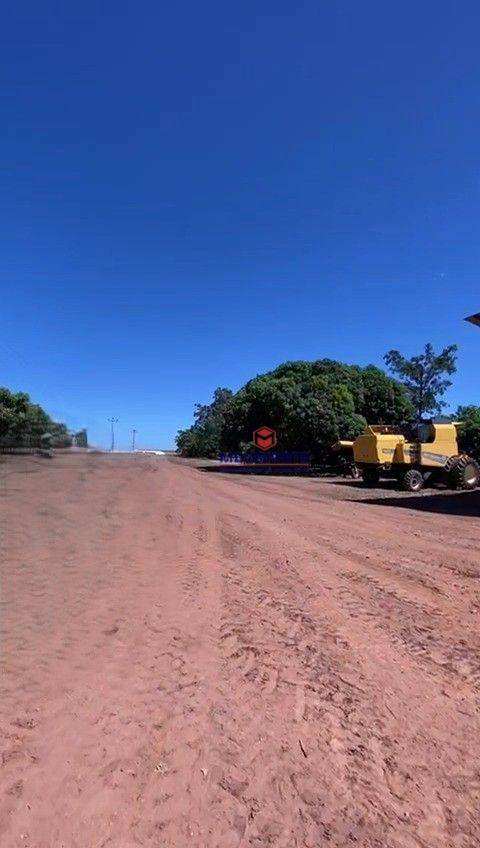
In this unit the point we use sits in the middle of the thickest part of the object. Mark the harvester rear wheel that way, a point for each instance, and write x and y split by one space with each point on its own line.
370 476
412 480
465 473
450 464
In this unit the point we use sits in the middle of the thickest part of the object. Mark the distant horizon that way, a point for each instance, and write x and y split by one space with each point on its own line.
123 434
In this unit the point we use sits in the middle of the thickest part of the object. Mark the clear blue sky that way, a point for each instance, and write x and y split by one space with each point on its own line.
193 193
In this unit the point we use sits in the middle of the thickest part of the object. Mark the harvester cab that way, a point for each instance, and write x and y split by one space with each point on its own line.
423 451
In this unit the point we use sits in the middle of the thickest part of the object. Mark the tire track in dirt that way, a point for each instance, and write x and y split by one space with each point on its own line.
402 594
292 667
198 661
470 781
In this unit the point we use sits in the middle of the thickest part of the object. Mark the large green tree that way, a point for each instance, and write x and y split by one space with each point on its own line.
312 404
309 404
425 376
24 422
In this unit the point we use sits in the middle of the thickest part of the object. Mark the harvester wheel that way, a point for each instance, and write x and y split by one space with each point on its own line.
370 476
465 473
450 465
412 480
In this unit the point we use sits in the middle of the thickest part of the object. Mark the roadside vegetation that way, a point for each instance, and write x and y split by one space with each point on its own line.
24 423
313 404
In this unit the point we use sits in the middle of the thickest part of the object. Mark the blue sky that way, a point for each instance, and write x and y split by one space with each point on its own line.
193 193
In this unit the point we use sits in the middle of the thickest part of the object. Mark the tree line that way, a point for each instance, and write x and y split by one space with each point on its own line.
313 404
24 423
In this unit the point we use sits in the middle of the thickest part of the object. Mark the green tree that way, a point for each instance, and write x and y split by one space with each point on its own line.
190 443
24 422
425 377
313 404
383 401
61 438
469 432
15 414
309 404
203 437
81 439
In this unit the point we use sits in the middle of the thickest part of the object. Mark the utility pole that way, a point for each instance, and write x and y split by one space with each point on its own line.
133 439
112 422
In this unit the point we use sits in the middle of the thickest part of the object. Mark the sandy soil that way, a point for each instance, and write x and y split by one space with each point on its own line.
194 659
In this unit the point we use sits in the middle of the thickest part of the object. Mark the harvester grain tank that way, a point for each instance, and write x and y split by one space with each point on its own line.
427 451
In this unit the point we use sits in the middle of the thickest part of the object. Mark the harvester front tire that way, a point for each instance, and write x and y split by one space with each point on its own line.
465 473
412 480
370 476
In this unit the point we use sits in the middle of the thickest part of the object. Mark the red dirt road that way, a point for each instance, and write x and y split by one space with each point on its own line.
194 659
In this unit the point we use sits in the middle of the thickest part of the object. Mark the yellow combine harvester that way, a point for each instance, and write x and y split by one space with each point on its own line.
425 451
